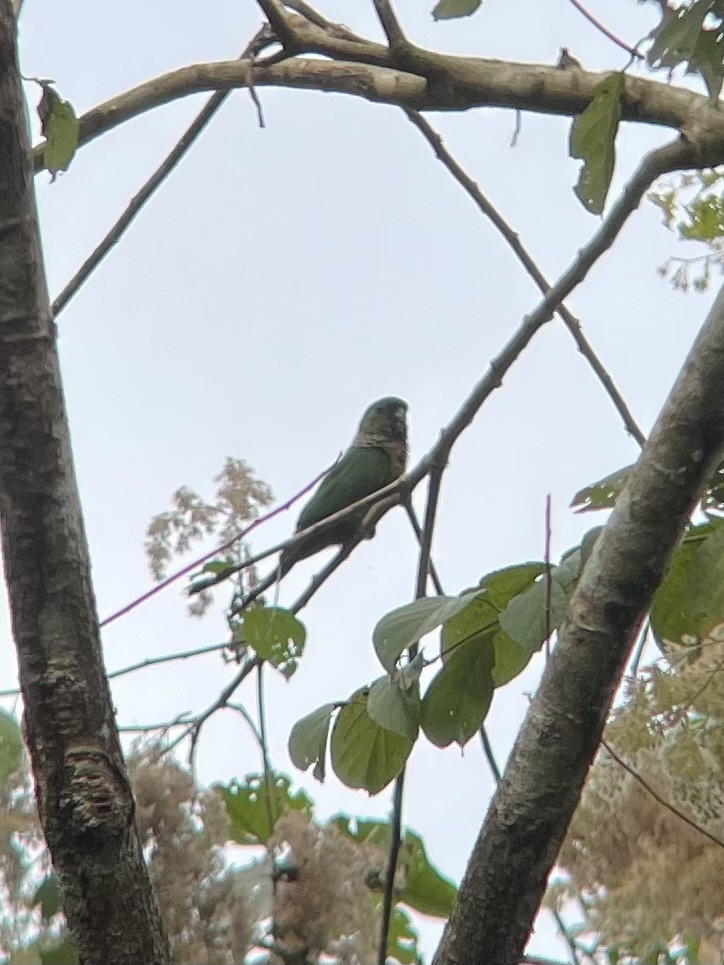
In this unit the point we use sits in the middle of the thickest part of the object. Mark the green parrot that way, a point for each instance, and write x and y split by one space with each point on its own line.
376 458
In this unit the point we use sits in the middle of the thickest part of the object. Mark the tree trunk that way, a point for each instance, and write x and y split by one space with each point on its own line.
84 798
530 813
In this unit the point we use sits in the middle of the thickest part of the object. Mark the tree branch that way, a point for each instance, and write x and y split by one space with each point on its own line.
390 25
460 83
542 783
84 798
490 211
258 42
609 34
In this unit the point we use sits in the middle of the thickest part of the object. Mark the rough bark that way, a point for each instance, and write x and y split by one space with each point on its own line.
83 794
529 815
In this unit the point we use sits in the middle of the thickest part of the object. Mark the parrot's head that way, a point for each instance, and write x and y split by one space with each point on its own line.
386 418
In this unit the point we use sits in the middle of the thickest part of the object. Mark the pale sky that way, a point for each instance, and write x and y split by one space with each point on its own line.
282 279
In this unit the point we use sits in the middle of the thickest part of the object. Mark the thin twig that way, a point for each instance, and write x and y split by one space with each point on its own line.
221 701
219 549
243 712
423 569
167 658
549 580
491 212
605 31
490 757
661 800
275 14
183 720
636 660
268 776
262 38
390 24
417 529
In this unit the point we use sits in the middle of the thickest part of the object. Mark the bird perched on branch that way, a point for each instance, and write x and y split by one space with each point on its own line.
376 458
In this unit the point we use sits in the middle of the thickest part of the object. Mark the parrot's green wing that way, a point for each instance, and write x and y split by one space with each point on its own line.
360 472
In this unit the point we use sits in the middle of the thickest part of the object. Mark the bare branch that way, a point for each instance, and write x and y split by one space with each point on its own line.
166 658
606 32
370 73
259 41
490 211
221 701
189 568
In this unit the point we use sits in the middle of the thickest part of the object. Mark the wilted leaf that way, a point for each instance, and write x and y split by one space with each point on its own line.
60 127
593 140
603 493
308 740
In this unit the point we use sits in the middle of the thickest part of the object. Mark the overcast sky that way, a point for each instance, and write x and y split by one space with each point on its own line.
284 278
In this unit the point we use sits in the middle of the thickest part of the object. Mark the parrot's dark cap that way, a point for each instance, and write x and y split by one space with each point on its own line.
389 402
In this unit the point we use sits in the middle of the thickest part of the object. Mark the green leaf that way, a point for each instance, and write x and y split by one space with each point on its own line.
593 140
49 895
276 635
459 695
308 740
688 607
253 811
405 626
60 951
11 746
60 127
524 619
360 830
708 59
601 494
394 707
706 219
364 754
402 939
681 38
426 890
480 620
450 9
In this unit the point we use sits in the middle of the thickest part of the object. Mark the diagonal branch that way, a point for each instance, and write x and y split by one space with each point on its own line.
490 211
542 783
262 38
658 162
